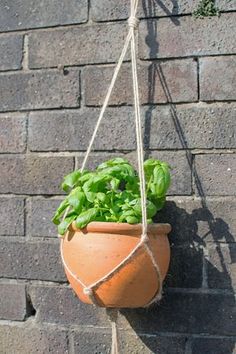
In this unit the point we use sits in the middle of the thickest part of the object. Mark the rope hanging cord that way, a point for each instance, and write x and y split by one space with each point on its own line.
89 290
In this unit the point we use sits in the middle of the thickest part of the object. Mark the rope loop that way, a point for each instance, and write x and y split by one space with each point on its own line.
133 22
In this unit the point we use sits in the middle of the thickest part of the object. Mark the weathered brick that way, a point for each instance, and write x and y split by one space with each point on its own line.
222 266
35 90
29 338
76 46
10 52
215 174
148 344
55 304
187 36
190 126
185 269
226 5
13 301
179 76
92 342
59 305
218 78
195 222
214 346
72 130
12 133
105 10
49 131
31 260
181 169
39 215
89 341
33 174
32 14
11 216
185 313
164 128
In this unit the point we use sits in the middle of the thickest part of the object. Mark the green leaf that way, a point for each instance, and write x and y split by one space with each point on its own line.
56 218
132 219
86 217
151 209
101 197
93 185
112 162
63 226
70 181
114 183
149 166
127 214
76 199
112 193
160 202
85 177
161 180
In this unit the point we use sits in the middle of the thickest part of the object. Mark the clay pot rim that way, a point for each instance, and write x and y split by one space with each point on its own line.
122 228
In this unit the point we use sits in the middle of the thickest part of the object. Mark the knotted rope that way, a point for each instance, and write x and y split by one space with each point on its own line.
144 240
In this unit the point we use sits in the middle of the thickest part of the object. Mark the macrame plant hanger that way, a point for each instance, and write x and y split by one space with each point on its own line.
90 290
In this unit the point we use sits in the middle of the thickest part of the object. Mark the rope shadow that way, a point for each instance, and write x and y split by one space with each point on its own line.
182 222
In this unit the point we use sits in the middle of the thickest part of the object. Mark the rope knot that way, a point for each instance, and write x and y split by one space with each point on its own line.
144 238
88 291
133 22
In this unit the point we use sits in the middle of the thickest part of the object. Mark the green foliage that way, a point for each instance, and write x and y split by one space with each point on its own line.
206 8
111 193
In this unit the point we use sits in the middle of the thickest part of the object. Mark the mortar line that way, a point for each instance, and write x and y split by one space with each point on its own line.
188 346
112 63
86 23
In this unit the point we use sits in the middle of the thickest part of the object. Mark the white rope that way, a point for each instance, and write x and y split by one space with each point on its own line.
138 135
107 98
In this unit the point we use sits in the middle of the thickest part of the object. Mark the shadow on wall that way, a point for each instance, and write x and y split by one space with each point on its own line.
184 308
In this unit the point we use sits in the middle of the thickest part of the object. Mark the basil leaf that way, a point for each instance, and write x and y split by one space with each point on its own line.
63 226
56 218
132 219
93 185
70 181
86 217
112 193
76 199
112 162
161 179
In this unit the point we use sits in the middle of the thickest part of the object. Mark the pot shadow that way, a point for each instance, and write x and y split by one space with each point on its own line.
198 298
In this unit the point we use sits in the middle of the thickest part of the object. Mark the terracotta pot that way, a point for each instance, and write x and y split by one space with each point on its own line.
93 252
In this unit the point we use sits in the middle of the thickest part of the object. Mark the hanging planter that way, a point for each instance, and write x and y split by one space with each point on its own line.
112 253
107 255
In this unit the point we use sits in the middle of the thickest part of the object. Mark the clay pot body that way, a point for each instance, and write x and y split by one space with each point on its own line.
93 252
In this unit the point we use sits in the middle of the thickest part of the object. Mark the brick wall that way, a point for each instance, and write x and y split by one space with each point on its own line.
56 60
